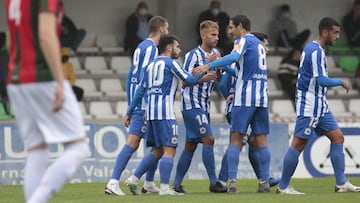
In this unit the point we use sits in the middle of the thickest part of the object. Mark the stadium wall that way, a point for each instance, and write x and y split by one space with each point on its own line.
106 142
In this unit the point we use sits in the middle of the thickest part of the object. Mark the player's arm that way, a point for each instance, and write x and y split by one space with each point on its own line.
331 82
139 93
223 85
223 62
50 47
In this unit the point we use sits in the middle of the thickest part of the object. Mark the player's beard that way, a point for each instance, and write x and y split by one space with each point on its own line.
174 55
329 42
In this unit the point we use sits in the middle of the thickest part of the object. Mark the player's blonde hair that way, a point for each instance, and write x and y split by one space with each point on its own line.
206 24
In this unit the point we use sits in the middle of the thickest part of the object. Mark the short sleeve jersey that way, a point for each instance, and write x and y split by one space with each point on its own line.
27 63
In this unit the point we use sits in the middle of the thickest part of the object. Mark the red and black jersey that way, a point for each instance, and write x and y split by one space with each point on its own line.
27 63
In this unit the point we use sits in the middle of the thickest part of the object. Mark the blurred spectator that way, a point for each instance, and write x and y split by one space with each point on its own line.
284 30
214 13
288 72
71 36
69 73
351 24
4 60
137 27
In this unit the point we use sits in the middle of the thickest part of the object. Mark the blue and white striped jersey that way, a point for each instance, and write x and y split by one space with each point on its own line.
251 84
144 54
160 81
197 96
310 96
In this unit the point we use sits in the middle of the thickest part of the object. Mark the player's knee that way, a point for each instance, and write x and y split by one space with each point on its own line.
208 140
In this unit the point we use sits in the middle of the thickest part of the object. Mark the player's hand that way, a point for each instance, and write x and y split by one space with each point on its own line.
209 77
59 97
127 120
200 70
346 85
212 57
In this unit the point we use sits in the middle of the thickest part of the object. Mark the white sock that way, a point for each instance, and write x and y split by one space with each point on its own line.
60 172
149 183
35 167
113 181
164 187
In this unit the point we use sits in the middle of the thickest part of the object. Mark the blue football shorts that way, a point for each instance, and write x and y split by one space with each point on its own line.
197 124
305 127
162 133
256 117
138 124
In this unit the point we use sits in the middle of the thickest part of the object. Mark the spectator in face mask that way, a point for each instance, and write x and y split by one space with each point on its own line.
214 13
284 30
137 28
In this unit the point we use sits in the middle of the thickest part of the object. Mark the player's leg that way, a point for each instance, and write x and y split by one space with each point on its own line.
148 161
304 128
223 174
337 157
240 120
137 131
59 172
167 136
183 166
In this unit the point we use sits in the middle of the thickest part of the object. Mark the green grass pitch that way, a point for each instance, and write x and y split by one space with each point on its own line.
317 190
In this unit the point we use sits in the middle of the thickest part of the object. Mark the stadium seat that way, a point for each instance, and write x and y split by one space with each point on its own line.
340 47
112 87
102 110
88 45
273 63
109 44
274 91
354 106
121 108
89 87
337 107
348 63
77 66
84 113
120 64
283 108
96 65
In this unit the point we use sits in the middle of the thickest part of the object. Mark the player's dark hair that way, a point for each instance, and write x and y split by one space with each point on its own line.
165 41
243 20
261 36
156 22
327 23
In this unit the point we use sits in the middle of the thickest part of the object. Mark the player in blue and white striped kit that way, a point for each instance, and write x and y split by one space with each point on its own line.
195 109
227 86
144 54
160 84
250 105
312 110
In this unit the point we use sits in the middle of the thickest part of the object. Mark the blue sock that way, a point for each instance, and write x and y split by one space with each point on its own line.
146 163
182 167
338 162
165 167
151 172
265 158
254 160
121 161
233 161
209 162
224 170
291 160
